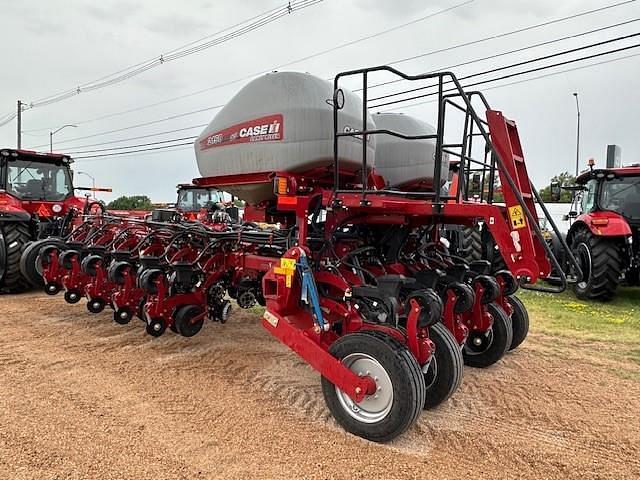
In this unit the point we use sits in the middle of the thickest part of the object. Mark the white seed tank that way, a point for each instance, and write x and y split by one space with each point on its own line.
406 163
282 121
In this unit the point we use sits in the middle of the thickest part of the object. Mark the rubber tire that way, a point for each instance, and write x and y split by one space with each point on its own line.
156 333
96 305
119 320
502 332
409 389
450 366
72 301
15 237
606 266
182 320
519 321
29 259
470 244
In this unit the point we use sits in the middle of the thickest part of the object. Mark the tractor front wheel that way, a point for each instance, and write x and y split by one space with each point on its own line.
400 393
14 237
600 260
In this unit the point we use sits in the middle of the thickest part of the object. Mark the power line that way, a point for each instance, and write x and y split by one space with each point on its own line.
264 19
145 124
248 77
133 151
160 142
517 50
400 101
142 154
140 136
468 62
504 77
552 74
497 69
180 52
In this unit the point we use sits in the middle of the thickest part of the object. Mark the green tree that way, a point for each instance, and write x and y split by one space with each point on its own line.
563 179
135 202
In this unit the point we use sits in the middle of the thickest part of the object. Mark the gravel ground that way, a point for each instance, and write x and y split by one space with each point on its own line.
84 398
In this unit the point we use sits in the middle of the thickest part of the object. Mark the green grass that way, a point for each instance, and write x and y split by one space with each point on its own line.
616 324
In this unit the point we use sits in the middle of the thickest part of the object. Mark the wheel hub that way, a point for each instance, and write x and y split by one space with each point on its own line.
375 407
479 342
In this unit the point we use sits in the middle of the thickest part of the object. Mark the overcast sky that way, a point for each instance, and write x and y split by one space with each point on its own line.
53 46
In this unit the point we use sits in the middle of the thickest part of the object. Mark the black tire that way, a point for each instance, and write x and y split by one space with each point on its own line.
444 373
495 342
519 321
30 265
122 316
156 327
600 259
184 323
14 238
96 305
72 296
470 244
403 376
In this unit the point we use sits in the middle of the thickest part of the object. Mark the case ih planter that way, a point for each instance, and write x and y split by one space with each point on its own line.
357 279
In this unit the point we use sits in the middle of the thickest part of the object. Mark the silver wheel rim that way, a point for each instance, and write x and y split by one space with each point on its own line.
373 408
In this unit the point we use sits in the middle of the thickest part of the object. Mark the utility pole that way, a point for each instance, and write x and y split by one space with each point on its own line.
575 94
19 142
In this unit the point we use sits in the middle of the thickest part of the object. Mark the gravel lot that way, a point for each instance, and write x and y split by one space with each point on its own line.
84 398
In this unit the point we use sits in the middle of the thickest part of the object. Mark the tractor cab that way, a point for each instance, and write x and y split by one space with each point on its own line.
192 198
615 190
32 176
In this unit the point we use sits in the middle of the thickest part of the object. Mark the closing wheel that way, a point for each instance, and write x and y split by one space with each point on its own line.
156 327
400 391
485 348
52 288
122 316
189 320
519 321
72 296
444 372
96 305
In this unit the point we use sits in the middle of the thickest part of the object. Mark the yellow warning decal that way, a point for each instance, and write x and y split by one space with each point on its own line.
287 268
288 263
517 217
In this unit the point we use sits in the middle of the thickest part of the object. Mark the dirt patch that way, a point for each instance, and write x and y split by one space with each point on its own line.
82 397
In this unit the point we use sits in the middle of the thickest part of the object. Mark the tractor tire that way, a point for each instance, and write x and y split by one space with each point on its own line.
519 321
30 266
444 373
484 349
470 244
600 259
401 393
14 238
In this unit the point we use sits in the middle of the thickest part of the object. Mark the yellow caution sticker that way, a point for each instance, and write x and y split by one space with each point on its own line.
517 217
287 268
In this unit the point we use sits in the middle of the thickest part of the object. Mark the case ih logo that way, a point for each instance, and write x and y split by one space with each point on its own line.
263 129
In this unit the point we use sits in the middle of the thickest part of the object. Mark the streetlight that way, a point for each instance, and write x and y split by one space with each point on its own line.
51 134
93 181
575 94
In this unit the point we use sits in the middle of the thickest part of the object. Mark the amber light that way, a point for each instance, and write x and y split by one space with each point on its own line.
591 162
282 186
600 221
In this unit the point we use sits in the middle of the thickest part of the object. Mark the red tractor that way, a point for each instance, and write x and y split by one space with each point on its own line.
605 234
36 202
